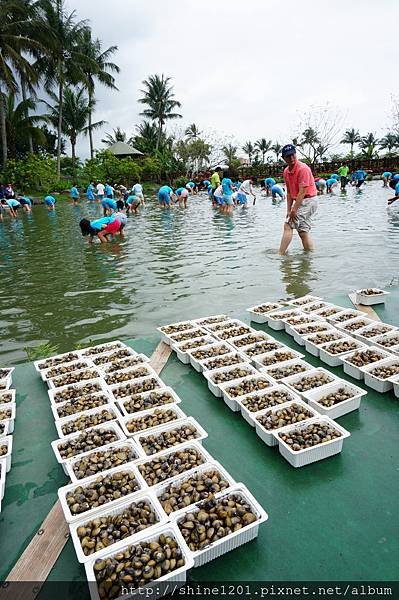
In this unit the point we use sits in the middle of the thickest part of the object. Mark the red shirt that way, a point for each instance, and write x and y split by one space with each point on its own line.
299 176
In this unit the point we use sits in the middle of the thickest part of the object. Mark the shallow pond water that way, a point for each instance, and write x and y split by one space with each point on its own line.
179 264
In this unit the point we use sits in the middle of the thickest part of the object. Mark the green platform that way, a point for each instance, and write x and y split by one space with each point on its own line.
332 520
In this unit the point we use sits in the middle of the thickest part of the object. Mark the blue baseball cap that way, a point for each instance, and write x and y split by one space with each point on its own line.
287 150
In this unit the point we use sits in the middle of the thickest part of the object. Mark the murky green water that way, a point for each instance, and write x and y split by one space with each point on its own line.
179 264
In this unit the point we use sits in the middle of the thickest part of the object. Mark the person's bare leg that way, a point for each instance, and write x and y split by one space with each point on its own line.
286 239
306 240
102 237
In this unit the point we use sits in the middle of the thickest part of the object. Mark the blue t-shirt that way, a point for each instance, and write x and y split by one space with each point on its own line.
276 189
132 198
109 203
334 176
50 200
179 191
98 223
331 181
90 191
13 203
361 175
25 200
165 189
206 183
387 174
269 182
396 177
74 192
108 191
210 189
191 184
226 186
397 189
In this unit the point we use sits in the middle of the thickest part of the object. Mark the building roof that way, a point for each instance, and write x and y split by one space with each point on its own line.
122 149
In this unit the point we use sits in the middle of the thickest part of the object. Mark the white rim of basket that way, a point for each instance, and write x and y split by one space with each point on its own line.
200 320
36 363
235 382
329 389
115 343
343 325
287 363
259 357
141 359
165 389
277 407
297 377
313 305
243 359
324 347
132 353
252 309
96 374
127 370
186 322
215 327
380 363
44 373
123 420
69 464
114 386
59 423
322 418
314 299
232 337
265 392
383 293
352 311
97 380
206 340
372 348
197 332
159 429
209 373
206 347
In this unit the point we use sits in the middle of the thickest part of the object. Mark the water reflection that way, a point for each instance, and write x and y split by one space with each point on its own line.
296 273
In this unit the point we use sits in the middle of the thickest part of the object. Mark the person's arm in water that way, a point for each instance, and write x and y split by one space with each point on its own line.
289 205
297 203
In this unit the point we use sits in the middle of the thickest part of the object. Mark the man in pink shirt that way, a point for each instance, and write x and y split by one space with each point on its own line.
301 200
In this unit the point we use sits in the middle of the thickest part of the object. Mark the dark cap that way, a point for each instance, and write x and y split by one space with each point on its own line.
287 150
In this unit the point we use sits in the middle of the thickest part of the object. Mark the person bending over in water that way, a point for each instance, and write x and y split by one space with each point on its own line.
277 190
360 177
244 191
181 197
26 203
301 200
137 190
165 195
100 228
320 185
191 187
74 193
13 205
109 206
394 184
269 183
132 204
331 183
50 201
386 176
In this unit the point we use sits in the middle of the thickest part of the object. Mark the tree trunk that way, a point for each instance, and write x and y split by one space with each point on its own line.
59 128
73 155
159 135
90 128
23 91
3 129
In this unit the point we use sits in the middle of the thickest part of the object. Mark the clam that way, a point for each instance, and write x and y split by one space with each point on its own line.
277 357
386 371
5 413
261 347
309 436
102 348
52 362
295 413
130 389
371 292
210 352
3 449
171 329
191 490
141 402
74 392
247 386
158 417
258 402
86 441
169 465
340 395
364 357
287 370
236 373
182 337
312 381
217 363
341 347
154 443
118 355
102 460
82 403
374 331
67 368
87 421
233 332
265 308
104 489
74 377
121 376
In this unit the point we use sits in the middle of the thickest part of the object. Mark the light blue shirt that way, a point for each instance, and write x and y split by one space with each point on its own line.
109 203
396 177
227 186
50 200
13 203
26 200
334 176
90 192
387 174
132 198
331 181
165 189
191 184
397 189
206 183
74 192
269 182
108 191
179 191
98 223
360 175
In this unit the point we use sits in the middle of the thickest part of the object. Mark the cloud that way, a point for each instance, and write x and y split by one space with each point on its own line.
248 68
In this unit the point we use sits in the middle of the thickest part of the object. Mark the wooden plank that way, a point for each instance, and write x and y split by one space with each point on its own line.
160 357
36 562
39 557
366 309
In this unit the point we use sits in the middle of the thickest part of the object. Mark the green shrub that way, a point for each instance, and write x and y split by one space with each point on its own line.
151 169
33 173
107 167
180 182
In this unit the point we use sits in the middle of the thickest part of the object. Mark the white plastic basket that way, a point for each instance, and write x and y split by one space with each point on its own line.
183 355
73 365
274 354
4 428
260 317
7 441
197 363
108 357
6 372
347 328
180 326
89 373
230 400
110 426
135 360
195 333
122 402
366 300
5 383
392 338
159 587
197 471
346 315
3 468
249 415
276 319
57 408
315 453
100 348
274 376
215 388
63 491
4 394
228 335
160 429
340 409
43 363
112 388
127 443
266 435
377 383
364 334
290 381
199 448
304 300
357 372
145 496
302 319
123 421
237 357
235 539
395 383
335 360
211 320
98 382
60 423
312 307
327 312
254 350
313 347
302 331
9 407
133 373
216 328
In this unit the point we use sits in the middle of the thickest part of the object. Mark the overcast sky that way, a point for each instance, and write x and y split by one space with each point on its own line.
249 68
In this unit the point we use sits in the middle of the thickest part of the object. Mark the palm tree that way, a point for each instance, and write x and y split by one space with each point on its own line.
146 138
351 137
117 136
389 142
20 125
276 148
264 146
159 97
230 153
368 144
75 116
98 68
15 41
63 61
192 132
249 149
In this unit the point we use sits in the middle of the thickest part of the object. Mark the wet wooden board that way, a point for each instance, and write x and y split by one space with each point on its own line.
366 309
39 557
